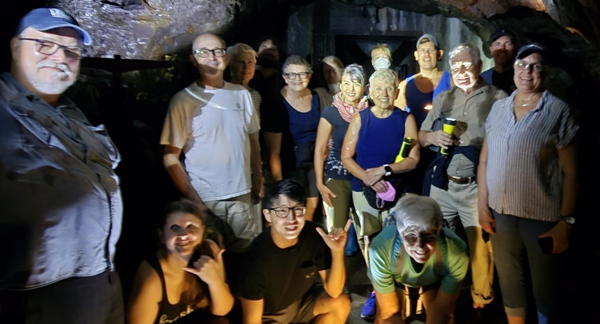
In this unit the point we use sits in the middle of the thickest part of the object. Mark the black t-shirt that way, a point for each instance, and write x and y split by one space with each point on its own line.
282 276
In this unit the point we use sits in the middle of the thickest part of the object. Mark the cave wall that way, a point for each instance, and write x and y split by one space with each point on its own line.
148 29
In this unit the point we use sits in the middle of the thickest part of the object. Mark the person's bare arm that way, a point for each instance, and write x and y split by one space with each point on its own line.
321 150
442 308
145 296
252 310
561 232
400 101
273 142
212 272
388 308
256 166
567 159
486 220
349 149
334 278
174 167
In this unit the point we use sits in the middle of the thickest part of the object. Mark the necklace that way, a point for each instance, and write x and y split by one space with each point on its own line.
530 101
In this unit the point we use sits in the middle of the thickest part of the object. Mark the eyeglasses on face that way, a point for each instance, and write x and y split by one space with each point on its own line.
412 238
204 52
294 75
458 66
283 212
46 47
522 65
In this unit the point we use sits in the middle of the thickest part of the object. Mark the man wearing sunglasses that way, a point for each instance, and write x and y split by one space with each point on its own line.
214 124
61 202
278 283
452 175
417 252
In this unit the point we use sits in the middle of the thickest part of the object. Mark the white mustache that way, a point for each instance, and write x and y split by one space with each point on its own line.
64 68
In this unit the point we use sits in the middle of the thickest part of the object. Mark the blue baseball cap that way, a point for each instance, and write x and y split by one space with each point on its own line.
43 19
425 38
501 32
531 48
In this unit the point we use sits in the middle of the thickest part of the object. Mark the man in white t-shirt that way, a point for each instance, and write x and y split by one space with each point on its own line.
215 125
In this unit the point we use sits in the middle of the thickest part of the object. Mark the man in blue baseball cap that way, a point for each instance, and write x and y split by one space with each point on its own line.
502 45
60 197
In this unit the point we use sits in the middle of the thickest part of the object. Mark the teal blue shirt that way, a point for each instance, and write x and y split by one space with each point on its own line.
448 265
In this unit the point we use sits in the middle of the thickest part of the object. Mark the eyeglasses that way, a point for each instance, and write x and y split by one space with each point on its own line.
283 212
425 237
536 67
204 52
46 47
456 67
294 75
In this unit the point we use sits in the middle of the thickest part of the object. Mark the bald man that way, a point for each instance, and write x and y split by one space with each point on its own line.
215 126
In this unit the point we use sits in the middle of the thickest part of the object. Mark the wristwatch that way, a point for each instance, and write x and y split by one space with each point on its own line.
568 219
388 170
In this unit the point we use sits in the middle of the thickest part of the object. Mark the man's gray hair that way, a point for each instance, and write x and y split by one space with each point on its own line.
296 60
384 74
465 47
418 212
356 72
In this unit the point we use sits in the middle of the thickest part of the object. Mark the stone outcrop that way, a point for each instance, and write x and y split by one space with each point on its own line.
148 29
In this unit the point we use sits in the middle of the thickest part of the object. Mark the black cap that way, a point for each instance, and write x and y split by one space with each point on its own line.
529 49
501 32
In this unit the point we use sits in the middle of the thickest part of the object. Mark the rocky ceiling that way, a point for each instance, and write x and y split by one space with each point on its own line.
149 29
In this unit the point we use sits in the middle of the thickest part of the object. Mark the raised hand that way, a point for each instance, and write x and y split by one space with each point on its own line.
208 269
336 239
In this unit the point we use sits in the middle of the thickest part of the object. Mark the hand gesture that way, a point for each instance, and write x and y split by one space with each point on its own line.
208 269
336 239
326 193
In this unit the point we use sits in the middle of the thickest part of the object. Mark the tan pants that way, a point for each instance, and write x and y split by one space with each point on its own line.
460 200
367 221
240 214
337 215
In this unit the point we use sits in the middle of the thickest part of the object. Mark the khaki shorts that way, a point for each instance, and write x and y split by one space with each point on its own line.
337 215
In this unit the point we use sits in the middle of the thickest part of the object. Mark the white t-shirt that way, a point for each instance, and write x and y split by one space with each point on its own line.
211 126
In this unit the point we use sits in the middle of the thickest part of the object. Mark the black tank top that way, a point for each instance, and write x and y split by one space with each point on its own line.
167 312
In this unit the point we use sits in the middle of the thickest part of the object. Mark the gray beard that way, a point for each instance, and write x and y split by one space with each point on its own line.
53 88
64 80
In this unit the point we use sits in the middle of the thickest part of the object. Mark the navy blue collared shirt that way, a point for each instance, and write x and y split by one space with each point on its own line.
60 202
